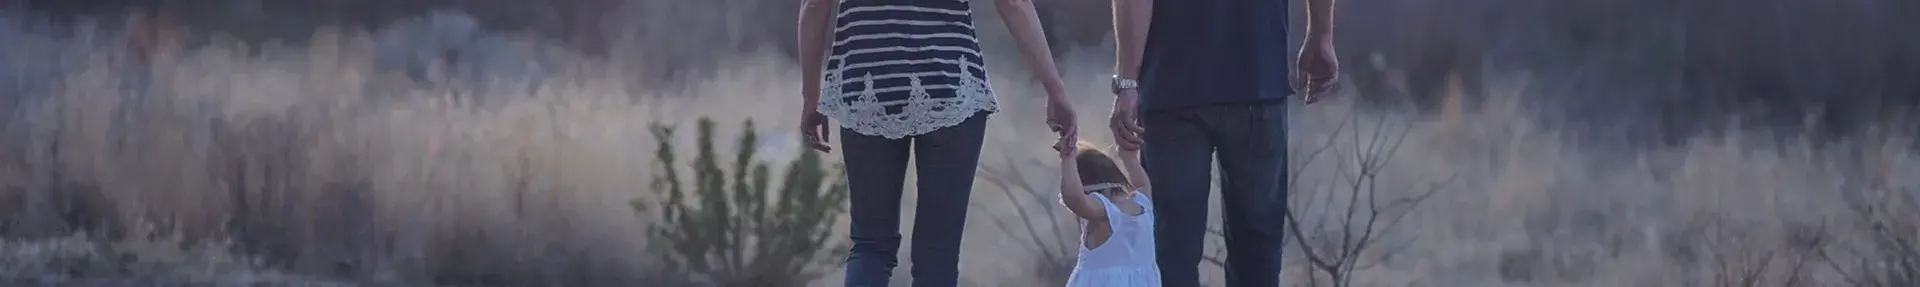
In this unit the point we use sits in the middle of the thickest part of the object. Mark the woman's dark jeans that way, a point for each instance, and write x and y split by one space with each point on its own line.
876 176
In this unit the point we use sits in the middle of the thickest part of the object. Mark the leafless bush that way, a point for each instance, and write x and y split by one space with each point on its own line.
284 145
1876 251
295 172
1750 253
1041 231
147 259
1887 250
1341 227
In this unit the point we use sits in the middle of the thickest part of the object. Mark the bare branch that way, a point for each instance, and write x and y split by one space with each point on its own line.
1887 255
1055 256
1335 244
1007 189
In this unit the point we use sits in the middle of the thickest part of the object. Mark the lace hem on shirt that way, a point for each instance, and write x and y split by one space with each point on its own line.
923 114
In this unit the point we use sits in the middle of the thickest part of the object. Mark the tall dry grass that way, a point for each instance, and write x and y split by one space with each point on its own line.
314 160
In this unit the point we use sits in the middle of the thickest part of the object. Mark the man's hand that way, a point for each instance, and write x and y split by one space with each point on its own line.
815 130
1319 69
1125 120
1060 118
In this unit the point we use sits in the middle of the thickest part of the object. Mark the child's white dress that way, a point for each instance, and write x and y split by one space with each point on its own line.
1127 258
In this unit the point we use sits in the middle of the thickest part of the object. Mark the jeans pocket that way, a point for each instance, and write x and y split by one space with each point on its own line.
1267 126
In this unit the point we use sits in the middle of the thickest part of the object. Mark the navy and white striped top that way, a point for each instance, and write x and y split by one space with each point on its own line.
902 68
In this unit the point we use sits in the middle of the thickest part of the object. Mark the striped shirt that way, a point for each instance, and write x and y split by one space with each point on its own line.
902 68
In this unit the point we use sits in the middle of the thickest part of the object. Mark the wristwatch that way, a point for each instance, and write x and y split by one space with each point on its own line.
1123 84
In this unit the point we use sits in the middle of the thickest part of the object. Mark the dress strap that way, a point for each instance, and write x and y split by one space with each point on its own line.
1141 198
1114 214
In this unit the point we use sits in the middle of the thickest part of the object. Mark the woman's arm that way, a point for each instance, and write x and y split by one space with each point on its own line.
814 15
1136 172
1025 27
814 130
1024 24
1071 193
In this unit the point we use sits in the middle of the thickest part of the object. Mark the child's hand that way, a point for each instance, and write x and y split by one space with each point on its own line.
1067 147
1123 152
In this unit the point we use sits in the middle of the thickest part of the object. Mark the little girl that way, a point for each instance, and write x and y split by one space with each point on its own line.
1116 217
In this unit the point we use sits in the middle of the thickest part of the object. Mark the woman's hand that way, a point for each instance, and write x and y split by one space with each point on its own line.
1024 23
814 129
1061 121
812 34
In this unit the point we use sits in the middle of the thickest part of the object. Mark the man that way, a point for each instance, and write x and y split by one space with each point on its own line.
1212 78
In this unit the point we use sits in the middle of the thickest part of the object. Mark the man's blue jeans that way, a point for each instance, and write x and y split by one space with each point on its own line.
877 173
1251 143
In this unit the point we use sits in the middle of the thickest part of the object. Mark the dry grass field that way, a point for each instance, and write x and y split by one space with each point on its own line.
314 164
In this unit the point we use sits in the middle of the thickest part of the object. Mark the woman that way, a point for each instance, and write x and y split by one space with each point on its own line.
906 77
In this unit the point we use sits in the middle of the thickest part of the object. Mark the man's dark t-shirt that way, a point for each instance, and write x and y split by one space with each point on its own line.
1209 52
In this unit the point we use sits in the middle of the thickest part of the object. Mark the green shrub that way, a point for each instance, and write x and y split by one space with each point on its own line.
734 229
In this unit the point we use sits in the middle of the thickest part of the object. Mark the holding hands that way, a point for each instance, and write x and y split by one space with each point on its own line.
1125 120
1068 147
1060 120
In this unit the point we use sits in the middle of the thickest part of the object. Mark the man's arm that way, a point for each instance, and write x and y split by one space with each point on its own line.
1318 65
1320 21
1130 21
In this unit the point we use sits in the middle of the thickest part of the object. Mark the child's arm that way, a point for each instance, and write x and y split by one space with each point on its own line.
1136 172
1071 193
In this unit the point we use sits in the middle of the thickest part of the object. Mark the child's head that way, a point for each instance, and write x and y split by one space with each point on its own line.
1097 168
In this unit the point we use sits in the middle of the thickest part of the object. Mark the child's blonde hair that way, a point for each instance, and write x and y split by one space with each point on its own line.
1098 168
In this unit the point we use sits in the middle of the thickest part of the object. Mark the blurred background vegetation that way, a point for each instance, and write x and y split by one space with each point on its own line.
1643 69
459 142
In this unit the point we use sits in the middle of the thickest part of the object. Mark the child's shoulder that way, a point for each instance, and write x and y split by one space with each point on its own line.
1142 197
